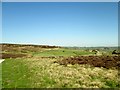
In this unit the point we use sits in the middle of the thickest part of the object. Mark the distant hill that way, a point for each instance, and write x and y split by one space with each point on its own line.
91 48
30 45
47 46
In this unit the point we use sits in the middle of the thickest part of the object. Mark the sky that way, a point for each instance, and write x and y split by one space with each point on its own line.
60 23
60 0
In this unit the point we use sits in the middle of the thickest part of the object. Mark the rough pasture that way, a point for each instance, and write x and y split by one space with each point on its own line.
33 66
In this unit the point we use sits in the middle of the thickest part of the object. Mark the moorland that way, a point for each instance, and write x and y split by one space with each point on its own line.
44 66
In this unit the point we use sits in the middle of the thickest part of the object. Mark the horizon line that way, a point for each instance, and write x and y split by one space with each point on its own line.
56 45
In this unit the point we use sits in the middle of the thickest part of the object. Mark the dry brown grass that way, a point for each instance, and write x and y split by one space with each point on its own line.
51 75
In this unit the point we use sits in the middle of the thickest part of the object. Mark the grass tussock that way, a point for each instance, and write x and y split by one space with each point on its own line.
43 73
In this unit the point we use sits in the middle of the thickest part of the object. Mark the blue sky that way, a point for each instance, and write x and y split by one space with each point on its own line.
63 24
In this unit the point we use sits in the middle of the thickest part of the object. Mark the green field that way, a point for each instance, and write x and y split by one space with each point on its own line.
62 52
38 70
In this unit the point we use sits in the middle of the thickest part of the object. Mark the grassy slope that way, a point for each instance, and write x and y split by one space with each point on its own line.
15 73
62 52
43 73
